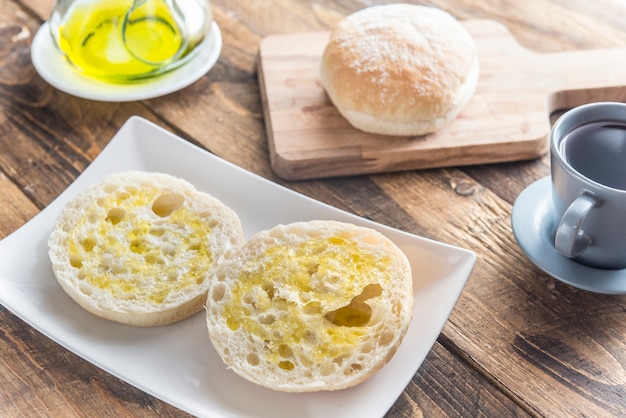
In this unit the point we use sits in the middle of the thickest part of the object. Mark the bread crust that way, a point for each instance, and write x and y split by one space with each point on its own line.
400 69
136 248
287 311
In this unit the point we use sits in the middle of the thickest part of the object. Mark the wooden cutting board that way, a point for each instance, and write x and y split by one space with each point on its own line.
507 119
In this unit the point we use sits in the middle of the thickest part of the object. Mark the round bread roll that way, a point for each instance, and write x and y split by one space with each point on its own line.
310 306
400 69
137 247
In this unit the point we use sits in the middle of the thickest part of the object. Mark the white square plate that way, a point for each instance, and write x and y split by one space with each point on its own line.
177 363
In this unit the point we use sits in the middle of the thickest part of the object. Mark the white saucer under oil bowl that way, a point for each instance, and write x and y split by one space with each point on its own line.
534 229
126 71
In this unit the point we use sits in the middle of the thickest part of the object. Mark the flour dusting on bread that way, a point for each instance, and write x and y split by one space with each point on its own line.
399 69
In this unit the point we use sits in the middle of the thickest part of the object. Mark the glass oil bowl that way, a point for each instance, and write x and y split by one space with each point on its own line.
124 41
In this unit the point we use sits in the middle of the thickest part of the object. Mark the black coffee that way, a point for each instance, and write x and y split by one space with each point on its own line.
598 151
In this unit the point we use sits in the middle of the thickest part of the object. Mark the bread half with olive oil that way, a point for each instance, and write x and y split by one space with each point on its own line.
136 248
310 306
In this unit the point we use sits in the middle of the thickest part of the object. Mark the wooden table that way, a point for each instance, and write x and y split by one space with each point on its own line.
518 342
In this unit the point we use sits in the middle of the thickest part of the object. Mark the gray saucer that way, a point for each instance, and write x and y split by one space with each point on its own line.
534 230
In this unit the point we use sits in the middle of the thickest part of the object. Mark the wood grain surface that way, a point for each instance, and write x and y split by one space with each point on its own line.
507 118
518 342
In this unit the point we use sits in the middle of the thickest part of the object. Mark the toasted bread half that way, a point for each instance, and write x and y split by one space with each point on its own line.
137 247
310 306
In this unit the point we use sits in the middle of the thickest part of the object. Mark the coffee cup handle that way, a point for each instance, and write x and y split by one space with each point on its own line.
570 240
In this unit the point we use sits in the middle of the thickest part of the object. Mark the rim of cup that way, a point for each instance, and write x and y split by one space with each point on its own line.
580 116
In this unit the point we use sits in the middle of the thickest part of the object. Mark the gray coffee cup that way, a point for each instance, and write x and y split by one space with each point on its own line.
588 166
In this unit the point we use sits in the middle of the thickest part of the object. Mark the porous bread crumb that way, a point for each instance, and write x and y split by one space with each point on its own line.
136 248
310 306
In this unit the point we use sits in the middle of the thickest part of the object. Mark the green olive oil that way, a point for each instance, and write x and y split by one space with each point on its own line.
120 39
